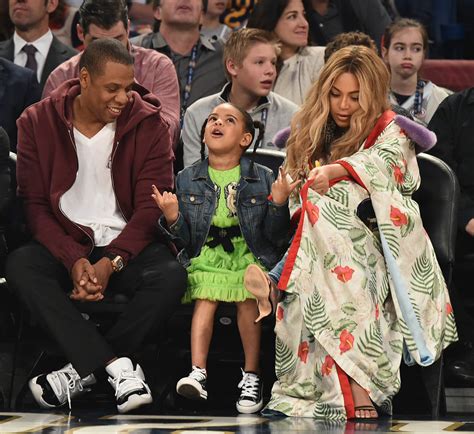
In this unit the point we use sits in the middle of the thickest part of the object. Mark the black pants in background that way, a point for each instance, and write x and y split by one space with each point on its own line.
154 282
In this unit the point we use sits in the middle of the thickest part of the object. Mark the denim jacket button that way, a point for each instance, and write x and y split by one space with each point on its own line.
191 198
253 200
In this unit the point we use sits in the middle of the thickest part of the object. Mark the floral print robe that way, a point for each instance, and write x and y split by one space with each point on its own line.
357 300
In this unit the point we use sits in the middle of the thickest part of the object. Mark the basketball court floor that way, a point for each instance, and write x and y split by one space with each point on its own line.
91 422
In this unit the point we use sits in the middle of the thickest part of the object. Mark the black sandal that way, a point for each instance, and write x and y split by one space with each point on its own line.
369 408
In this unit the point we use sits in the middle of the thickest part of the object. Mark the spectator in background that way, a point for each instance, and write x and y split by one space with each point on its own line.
142 11
198 61
350 38
405 44
63 22
453 124
19 88
211 25
300 64
250 57
33 44
141 16
154 71
328 18
237 13
420 10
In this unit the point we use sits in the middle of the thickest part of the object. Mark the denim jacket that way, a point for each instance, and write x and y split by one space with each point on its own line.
264 225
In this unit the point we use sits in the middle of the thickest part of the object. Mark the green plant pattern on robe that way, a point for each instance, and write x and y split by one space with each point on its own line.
342 305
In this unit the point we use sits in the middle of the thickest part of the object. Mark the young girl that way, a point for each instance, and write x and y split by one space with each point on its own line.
300 64
222 218
404 47
212 27
360 288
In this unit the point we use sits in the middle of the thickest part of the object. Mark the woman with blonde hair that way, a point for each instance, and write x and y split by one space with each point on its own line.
360 288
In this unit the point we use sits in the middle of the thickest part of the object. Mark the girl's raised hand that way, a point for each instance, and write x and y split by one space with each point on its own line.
282 188
168 203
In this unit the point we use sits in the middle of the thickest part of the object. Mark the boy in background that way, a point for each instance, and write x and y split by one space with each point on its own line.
250 57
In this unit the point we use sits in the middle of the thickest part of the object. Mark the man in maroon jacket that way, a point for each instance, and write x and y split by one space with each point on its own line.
87 158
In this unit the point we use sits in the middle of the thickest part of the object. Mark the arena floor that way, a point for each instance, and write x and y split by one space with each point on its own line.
90 422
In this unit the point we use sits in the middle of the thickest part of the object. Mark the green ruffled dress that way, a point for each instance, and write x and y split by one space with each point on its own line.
215 274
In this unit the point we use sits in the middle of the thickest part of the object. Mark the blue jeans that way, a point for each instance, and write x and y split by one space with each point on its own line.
275 273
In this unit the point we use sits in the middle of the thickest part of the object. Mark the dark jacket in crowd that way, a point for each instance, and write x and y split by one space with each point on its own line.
368 16
18 89
453 123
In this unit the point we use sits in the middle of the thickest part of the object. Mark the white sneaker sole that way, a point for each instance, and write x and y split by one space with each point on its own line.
191 389
133 402
249 409
37 392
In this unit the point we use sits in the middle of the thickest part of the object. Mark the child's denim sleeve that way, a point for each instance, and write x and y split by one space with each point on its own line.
277 224
177 233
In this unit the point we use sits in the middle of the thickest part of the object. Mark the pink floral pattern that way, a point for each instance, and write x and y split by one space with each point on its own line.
344 274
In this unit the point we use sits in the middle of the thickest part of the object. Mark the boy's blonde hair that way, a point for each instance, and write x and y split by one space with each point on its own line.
240 42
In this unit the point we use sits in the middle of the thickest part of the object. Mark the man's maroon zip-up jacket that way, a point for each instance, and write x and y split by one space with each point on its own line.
47 165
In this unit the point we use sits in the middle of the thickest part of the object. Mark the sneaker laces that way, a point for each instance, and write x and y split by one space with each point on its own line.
249 385
198 374
127 381
66 380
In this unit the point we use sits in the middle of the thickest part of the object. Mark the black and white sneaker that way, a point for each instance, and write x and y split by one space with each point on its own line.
194 385
250 399
58 387
131 390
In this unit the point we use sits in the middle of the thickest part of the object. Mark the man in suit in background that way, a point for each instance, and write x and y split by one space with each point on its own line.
33 45
18 89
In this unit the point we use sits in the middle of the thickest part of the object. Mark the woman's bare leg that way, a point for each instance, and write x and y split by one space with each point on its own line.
250 333
361 399
202 327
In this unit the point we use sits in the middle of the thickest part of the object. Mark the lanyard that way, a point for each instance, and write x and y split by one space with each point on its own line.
189 82
418 104
264 117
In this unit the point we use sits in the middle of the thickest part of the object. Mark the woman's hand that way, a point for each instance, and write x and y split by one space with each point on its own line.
168 203
281 188
321 177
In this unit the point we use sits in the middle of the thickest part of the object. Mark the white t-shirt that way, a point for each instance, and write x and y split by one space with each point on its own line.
91 200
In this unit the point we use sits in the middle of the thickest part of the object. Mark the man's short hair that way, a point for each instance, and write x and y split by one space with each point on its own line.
103 13
349 38
240 42
101 51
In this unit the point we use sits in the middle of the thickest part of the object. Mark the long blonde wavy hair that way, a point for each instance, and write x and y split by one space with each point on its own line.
308 126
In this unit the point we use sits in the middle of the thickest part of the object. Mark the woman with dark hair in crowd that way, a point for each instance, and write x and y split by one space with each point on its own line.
301 64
